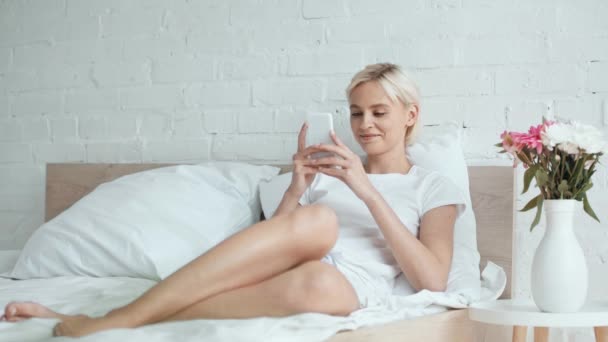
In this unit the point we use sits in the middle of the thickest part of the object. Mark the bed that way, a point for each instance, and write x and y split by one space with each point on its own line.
492 198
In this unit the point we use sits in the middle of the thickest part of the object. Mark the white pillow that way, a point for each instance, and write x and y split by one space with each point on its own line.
272 191
8 258
440 150
146 224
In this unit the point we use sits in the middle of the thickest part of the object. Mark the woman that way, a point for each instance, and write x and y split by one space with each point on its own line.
394 217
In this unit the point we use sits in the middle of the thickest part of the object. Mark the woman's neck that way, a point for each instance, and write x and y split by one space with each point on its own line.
386 164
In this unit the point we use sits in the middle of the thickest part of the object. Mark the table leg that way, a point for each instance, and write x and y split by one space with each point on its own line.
541 334
519 333
601 334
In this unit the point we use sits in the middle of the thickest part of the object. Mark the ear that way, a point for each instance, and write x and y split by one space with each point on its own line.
412 115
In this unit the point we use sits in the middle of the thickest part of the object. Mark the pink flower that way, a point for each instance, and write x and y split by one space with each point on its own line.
510 147
567 143
508 143
532 139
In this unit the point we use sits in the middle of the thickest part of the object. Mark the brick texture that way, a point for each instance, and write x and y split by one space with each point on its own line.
186 81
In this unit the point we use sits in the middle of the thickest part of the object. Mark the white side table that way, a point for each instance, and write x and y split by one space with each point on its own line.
523 313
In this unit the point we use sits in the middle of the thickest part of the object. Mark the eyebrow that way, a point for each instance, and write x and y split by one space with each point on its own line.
377 105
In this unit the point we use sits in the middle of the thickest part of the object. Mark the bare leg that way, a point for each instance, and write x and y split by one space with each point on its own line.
255 254
310 287
260 252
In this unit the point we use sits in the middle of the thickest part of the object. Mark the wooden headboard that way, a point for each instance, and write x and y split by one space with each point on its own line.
491 194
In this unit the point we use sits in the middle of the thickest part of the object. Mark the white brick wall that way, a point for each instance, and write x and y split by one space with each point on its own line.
158 81
10 130
5 58
219 94
286 92
313 9
124 152
37 103
82 101
105 75
64 129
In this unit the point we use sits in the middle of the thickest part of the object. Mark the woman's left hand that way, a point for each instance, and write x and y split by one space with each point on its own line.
344 165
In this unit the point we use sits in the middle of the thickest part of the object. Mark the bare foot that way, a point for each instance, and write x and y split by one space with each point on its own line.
76 326
19 311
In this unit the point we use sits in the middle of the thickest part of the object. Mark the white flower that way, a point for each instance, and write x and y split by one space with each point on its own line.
588 138
572 136
555 134
568 147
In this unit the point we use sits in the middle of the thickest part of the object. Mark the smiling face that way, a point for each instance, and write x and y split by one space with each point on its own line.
378 123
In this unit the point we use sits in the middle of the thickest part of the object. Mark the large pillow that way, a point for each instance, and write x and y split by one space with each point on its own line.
437 149
146 224
8 258
440 148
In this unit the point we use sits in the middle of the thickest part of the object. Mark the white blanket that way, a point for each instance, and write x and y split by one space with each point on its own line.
96 296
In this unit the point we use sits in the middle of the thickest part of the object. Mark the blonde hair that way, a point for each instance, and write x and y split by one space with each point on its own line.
397 85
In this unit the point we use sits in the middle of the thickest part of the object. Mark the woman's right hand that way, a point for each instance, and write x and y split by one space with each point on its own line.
303 174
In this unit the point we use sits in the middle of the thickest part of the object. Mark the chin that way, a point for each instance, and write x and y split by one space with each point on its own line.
371 150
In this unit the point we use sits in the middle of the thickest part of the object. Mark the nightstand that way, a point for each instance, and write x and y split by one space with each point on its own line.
522 314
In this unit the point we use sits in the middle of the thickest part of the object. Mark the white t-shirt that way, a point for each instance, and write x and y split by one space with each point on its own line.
410 195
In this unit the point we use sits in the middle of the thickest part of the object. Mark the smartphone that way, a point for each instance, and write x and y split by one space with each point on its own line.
319 127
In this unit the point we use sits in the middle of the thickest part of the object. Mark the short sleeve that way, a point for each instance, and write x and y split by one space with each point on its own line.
440 191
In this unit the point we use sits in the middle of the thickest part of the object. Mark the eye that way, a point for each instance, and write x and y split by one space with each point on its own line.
356 114
379 113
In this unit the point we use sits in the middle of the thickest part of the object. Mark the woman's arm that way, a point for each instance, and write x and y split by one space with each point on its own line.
426 262
302 175
289 202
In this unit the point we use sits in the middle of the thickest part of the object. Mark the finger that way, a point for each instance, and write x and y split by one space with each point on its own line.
302 137
308 151
302 164
336 140
343 152
340 143
330 171
329 161
302 168
310 170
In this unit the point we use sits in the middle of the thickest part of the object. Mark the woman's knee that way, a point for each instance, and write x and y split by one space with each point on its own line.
319 287
315 226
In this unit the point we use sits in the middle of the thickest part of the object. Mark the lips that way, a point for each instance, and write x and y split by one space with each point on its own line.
368 137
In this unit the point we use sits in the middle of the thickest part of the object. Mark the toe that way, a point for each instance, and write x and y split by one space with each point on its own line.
25 310
10 310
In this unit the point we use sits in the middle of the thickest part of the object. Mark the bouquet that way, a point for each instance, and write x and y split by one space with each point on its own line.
560 156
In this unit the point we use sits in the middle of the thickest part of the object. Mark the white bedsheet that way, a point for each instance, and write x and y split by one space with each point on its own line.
96 296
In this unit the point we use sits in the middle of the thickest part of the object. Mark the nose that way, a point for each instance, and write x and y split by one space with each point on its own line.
368 121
